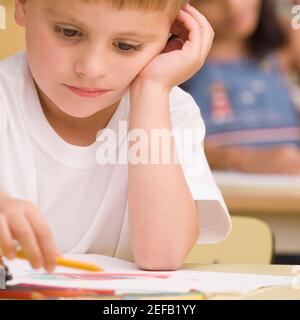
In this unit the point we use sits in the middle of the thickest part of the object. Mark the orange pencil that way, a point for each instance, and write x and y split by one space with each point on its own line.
69 263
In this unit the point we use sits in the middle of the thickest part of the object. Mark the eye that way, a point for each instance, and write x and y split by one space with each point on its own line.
125 46
128 47
68 32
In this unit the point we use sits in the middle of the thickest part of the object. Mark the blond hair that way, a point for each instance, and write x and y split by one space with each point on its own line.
146 5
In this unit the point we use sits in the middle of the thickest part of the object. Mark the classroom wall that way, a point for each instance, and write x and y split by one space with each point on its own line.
12 37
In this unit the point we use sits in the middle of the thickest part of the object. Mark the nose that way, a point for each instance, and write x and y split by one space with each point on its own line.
93 62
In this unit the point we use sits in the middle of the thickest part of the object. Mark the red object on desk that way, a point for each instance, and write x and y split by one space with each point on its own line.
39 292
21 295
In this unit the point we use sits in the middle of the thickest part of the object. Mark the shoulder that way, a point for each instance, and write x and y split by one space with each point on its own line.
13 71
10 66
13 79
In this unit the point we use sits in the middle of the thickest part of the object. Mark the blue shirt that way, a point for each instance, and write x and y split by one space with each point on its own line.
246 102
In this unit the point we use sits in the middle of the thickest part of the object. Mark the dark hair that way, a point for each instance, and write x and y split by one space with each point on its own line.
269 34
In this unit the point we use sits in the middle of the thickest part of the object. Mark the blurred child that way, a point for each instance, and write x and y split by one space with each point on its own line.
247 90
90 66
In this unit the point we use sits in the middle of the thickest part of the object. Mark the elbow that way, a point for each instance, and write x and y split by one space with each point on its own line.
148 266
159 263
160 256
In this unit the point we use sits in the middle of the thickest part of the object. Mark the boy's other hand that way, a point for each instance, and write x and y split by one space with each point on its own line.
184 54
23 222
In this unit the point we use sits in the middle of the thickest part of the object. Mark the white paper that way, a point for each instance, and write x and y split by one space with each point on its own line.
236 283
142 281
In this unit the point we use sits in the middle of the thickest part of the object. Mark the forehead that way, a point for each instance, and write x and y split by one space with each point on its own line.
96 14
143 5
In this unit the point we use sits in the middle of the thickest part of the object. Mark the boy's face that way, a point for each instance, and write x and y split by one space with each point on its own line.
76 50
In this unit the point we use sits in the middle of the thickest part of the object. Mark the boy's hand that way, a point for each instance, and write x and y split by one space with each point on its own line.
183 56
23 222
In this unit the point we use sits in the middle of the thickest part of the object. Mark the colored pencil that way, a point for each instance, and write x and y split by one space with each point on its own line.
69 263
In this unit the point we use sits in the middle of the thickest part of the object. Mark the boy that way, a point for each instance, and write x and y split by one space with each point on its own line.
90 65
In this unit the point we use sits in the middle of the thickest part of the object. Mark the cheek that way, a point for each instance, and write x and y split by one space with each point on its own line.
256 8
45 57
131 66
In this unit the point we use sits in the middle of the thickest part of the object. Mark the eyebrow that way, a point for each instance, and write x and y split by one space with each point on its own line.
139 35
74 20
53 12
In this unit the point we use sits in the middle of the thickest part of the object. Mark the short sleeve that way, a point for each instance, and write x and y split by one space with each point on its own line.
189 132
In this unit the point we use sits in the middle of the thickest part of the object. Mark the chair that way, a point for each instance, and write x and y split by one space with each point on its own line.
12 37
250 242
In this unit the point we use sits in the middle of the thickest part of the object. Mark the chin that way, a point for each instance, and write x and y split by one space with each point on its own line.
247 30
244 33
84 112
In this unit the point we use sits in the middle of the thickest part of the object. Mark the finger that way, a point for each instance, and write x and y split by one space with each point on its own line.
192 48
23 233
194 35
207 31
193 11
180 31
6 239
200 18
44 238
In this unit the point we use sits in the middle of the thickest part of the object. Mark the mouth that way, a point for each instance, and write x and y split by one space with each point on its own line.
88 92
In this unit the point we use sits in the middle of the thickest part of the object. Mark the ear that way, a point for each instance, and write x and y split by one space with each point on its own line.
20 12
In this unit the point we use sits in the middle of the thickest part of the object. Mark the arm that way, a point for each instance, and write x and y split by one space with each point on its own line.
225 158
283 160
163 218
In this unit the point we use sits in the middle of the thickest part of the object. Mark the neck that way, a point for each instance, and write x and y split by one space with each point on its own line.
76 131
229 49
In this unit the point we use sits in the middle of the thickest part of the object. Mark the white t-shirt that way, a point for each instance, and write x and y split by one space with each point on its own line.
84 202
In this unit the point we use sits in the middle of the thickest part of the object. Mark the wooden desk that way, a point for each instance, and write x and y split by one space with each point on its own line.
247 193
273 199
275 293
245 201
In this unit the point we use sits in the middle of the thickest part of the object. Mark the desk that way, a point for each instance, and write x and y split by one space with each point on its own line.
275 293
256 193
250 200
274 199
